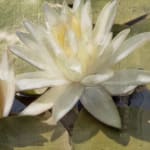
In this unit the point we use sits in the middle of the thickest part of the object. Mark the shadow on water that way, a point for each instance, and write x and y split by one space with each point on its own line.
25 131
139 124
135 122
135 114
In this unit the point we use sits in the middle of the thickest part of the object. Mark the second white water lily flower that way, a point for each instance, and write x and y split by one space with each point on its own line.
75 60
7 86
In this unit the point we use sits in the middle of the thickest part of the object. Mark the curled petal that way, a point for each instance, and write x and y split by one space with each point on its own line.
125 81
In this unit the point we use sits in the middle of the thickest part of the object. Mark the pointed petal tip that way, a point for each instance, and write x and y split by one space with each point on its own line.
27 24
117 124
36 108
127 30
11 48
114 2
18 33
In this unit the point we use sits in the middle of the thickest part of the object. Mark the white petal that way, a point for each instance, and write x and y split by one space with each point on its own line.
104 60
72 40
38 33
86 20
31 57
31 43
8 91
37 36
117 89
55 47
39 51
66 101
105 21
125 81
65 12
38 79
27 39
77 4
119 39
71 68
130 45
97 78
35 31
104 50
107 40
7 84
4 67
51 16
101 106
44 102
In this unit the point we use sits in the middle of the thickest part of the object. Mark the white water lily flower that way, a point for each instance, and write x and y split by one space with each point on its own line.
75 60
7 86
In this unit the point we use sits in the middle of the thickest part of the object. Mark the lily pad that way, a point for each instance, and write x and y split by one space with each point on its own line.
28 133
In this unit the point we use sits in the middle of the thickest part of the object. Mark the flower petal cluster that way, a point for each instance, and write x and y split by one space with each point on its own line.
7 86
75 59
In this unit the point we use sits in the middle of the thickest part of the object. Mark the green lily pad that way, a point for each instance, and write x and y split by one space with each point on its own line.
89 134
28 133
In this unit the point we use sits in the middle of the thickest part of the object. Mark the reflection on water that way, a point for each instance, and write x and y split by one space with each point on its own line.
135 114
90 134
139 125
